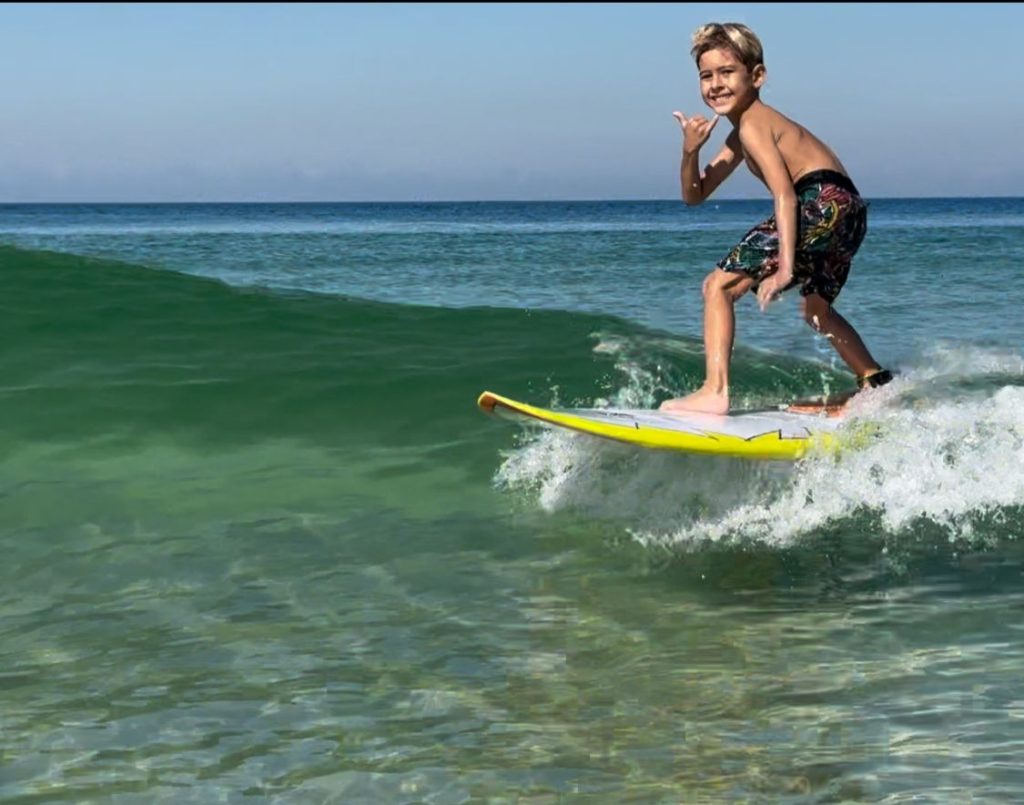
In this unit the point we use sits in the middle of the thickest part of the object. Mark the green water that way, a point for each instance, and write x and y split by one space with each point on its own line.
262 544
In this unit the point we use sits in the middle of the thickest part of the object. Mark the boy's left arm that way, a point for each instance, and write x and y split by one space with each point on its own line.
759 143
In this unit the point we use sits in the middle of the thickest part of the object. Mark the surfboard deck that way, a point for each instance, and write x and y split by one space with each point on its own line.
771 434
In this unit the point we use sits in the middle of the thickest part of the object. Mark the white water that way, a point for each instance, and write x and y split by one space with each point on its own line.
951 453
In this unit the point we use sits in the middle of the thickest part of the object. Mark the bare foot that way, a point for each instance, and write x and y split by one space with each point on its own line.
703 401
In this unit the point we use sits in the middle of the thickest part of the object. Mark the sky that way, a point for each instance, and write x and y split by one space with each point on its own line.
448 102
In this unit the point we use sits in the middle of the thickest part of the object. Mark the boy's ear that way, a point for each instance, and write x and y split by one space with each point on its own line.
758 75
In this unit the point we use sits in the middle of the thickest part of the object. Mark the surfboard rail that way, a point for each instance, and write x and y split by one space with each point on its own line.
767 435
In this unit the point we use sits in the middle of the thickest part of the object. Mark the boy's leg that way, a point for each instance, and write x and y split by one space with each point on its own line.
721 290
826 320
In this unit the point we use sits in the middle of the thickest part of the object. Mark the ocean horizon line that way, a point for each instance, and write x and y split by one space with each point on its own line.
450 202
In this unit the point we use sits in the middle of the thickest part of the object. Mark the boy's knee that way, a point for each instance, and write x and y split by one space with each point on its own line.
724 282
710 283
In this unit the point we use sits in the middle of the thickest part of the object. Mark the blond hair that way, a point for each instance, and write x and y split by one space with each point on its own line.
729 35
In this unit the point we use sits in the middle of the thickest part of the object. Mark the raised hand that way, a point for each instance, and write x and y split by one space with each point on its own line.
696 130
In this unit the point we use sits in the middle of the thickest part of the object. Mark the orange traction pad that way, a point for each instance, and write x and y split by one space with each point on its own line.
833 405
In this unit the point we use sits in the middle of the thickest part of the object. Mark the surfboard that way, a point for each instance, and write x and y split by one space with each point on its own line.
768 434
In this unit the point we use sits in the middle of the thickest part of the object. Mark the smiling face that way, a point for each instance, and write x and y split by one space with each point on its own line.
726 85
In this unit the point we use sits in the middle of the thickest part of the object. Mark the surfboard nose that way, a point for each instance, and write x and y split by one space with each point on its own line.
487 401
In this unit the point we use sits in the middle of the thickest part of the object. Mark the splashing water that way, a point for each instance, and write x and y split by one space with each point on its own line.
951 454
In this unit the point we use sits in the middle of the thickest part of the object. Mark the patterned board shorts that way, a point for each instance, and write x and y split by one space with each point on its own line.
831 225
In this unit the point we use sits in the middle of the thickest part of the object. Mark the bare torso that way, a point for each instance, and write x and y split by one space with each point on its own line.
801 150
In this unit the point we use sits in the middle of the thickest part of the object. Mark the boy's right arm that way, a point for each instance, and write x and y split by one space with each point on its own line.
696 187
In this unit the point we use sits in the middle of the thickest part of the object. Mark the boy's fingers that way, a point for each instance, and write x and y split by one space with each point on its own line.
680 117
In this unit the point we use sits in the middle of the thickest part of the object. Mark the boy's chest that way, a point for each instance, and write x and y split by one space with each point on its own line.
752 166
754 169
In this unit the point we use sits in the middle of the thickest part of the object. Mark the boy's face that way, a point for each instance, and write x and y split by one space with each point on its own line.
725 83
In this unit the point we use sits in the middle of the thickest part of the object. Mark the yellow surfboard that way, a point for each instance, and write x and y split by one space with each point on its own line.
779 435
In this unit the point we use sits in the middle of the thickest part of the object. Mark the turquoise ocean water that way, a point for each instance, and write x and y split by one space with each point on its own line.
259 543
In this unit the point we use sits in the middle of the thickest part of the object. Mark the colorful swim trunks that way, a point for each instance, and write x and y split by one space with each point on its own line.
831 223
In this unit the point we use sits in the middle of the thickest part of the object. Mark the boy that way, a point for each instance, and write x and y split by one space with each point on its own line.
818 225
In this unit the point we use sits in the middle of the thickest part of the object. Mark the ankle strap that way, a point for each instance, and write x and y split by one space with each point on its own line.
874 380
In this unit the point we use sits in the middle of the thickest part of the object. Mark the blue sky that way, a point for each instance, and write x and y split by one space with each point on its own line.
321 102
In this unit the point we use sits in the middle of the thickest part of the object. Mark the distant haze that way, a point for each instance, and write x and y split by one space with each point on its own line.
395 102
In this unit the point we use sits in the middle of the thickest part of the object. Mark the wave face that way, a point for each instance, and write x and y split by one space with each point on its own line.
118 361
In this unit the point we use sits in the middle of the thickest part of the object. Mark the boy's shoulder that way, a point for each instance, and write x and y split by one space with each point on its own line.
766 119
761 115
